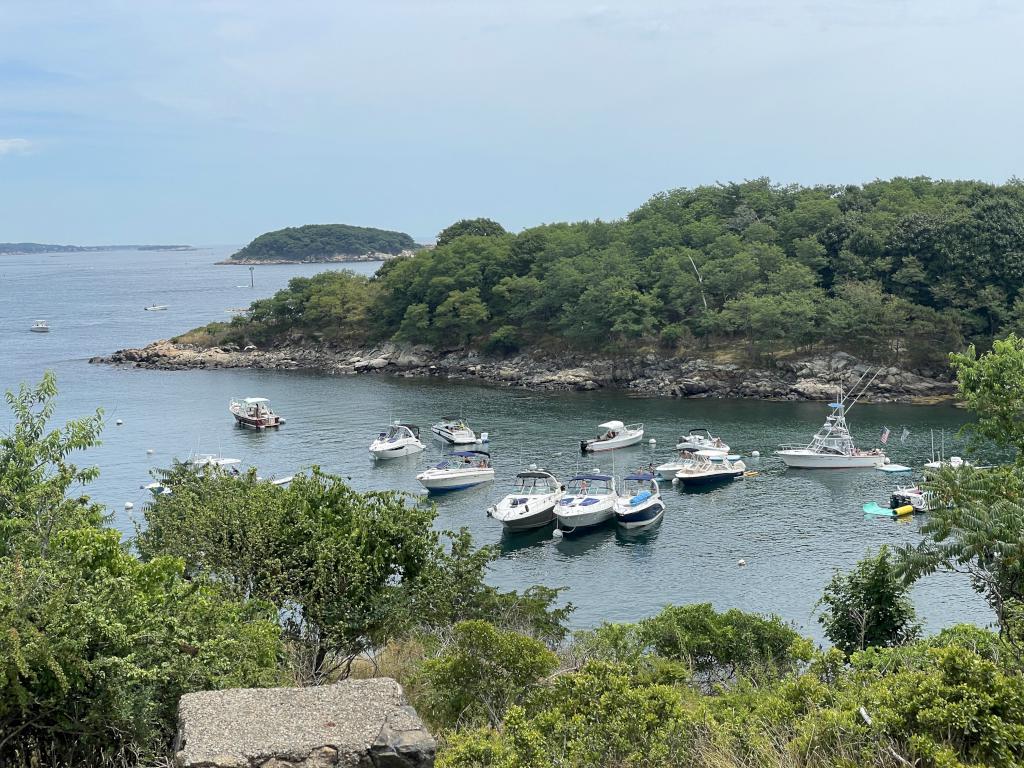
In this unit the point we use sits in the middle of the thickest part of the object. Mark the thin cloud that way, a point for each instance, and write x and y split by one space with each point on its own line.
15 146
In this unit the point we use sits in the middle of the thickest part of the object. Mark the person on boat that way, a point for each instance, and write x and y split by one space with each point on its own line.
584 487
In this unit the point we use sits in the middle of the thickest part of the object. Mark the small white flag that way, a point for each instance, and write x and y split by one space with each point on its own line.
905 435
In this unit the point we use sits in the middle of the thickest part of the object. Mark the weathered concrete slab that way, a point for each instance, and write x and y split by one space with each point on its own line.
353 724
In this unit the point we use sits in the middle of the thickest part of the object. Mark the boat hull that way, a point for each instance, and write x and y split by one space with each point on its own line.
710 478
452 437
525 517
640 516
442 483
808 460
576 519
257 423
596 446
668 471
383 451
39 330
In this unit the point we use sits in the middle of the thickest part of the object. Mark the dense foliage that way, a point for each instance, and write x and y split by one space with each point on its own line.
320 241
896 271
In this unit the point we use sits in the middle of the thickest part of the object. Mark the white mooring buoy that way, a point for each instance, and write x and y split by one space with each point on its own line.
755 454
119 422
149 451
741 563
129 505
652 441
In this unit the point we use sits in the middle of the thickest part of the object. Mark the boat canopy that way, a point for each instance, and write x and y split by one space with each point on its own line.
700 431
611 425
470 453
639 476
591 477
254 400
536 474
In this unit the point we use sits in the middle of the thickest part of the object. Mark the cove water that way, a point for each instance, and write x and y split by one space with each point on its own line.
793 528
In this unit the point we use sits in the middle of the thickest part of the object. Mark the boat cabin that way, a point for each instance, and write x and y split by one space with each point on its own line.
593 484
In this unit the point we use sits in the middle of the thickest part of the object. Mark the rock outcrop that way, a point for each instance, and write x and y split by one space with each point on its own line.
353 724
813 378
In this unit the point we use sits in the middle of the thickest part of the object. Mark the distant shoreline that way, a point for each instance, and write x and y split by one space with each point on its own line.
31 249
338 259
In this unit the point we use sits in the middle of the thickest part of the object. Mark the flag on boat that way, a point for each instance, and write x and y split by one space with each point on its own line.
905 435
885 436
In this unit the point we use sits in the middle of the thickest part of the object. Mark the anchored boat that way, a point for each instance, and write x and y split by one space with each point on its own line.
531 504
462 469
710 469
639 503
399 440
700 439
589 502
668 470
254 412
454 432
615 435
40 326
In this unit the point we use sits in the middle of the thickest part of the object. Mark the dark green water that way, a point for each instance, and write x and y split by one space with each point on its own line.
792 527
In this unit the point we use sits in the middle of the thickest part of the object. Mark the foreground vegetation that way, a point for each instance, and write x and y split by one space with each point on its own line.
316 242
234 581
898 271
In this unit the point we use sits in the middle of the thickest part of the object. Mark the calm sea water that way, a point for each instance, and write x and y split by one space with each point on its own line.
793 528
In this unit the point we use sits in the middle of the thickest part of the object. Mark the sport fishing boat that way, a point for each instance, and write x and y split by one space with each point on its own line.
589 502
710 469
615 434
531 504
456 432
832 446
700 439
639 501
254 412
461 469
668 470
399 440
40 326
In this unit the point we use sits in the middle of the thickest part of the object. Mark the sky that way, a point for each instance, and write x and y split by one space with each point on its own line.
210 122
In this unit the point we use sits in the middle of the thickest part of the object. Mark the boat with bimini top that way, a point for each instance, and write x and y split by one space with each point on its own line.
639 503
254 412
531 504
589 502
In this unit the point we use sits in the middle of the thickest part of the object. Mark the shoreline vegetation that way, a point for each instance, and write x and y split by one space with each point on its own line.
233 582
774 281
24 249
324 243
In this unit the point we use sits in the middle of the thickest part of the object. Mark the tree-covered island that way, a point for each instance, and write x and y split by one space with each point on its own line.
323 242
899 272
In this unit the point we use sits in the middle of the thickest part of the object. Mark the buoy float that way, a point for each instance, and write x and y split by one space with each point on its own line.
652 441
557 533
741 563
755 454
119 422
129 505
149 451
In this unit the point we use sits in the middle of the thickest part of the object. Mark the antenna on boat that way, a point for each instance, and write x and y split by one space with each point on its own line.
856 398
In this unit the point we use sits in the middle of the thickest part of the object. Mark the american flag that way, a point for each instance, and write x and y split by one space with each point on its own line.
885 436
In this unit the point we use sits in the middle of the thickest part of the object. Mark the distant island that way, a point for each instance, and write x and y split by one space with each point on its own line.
324 243
22 249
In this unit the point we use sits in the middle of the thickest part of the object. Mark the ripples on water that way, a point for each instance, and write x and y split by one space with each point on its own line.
792 527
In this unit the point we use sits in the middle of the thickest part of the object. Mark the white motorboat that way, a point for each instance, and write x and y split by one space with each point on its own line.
399 440
531 504
615 434
156 307
639 502
40 326
254 412
710 469
202 462
589 502
914 496
832 446
461 469
668 470
700 439
456 432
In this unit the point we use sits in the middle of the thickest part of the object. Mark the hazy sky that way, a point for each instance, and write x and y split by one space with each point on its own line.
211 122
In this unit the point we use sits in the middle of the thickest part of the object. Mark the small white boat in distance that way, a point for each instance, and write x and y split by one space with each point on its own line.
531 504
156 307
462 469
954 462
399 440
456 432
700 439
668 470
708 470
639 503
254 412
589 502
831 447
40 326
615 434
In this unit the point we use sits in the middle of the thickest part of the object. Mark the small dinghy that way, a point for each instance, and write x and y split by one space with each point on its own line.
462 469
700 439
639 503
708 470
254 412
456 432
615 434
589 502
399 440
531 504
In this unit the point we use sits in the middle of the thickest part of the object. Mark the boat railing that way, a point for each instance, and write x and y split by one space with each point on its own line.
792 446
638 427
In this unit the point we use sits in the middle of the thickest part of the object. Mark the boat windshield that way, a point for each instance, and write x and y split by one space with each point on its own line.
583 486
533 486
398 431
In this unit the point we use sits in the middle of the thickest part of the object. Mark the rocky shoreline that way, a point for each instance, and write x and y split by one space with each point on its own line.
338 258
814 378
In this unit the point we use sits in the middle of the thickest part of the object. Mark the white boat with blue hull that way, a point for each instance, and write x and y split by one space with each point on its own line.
399 440
589 502
639 503
532 504
458 471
